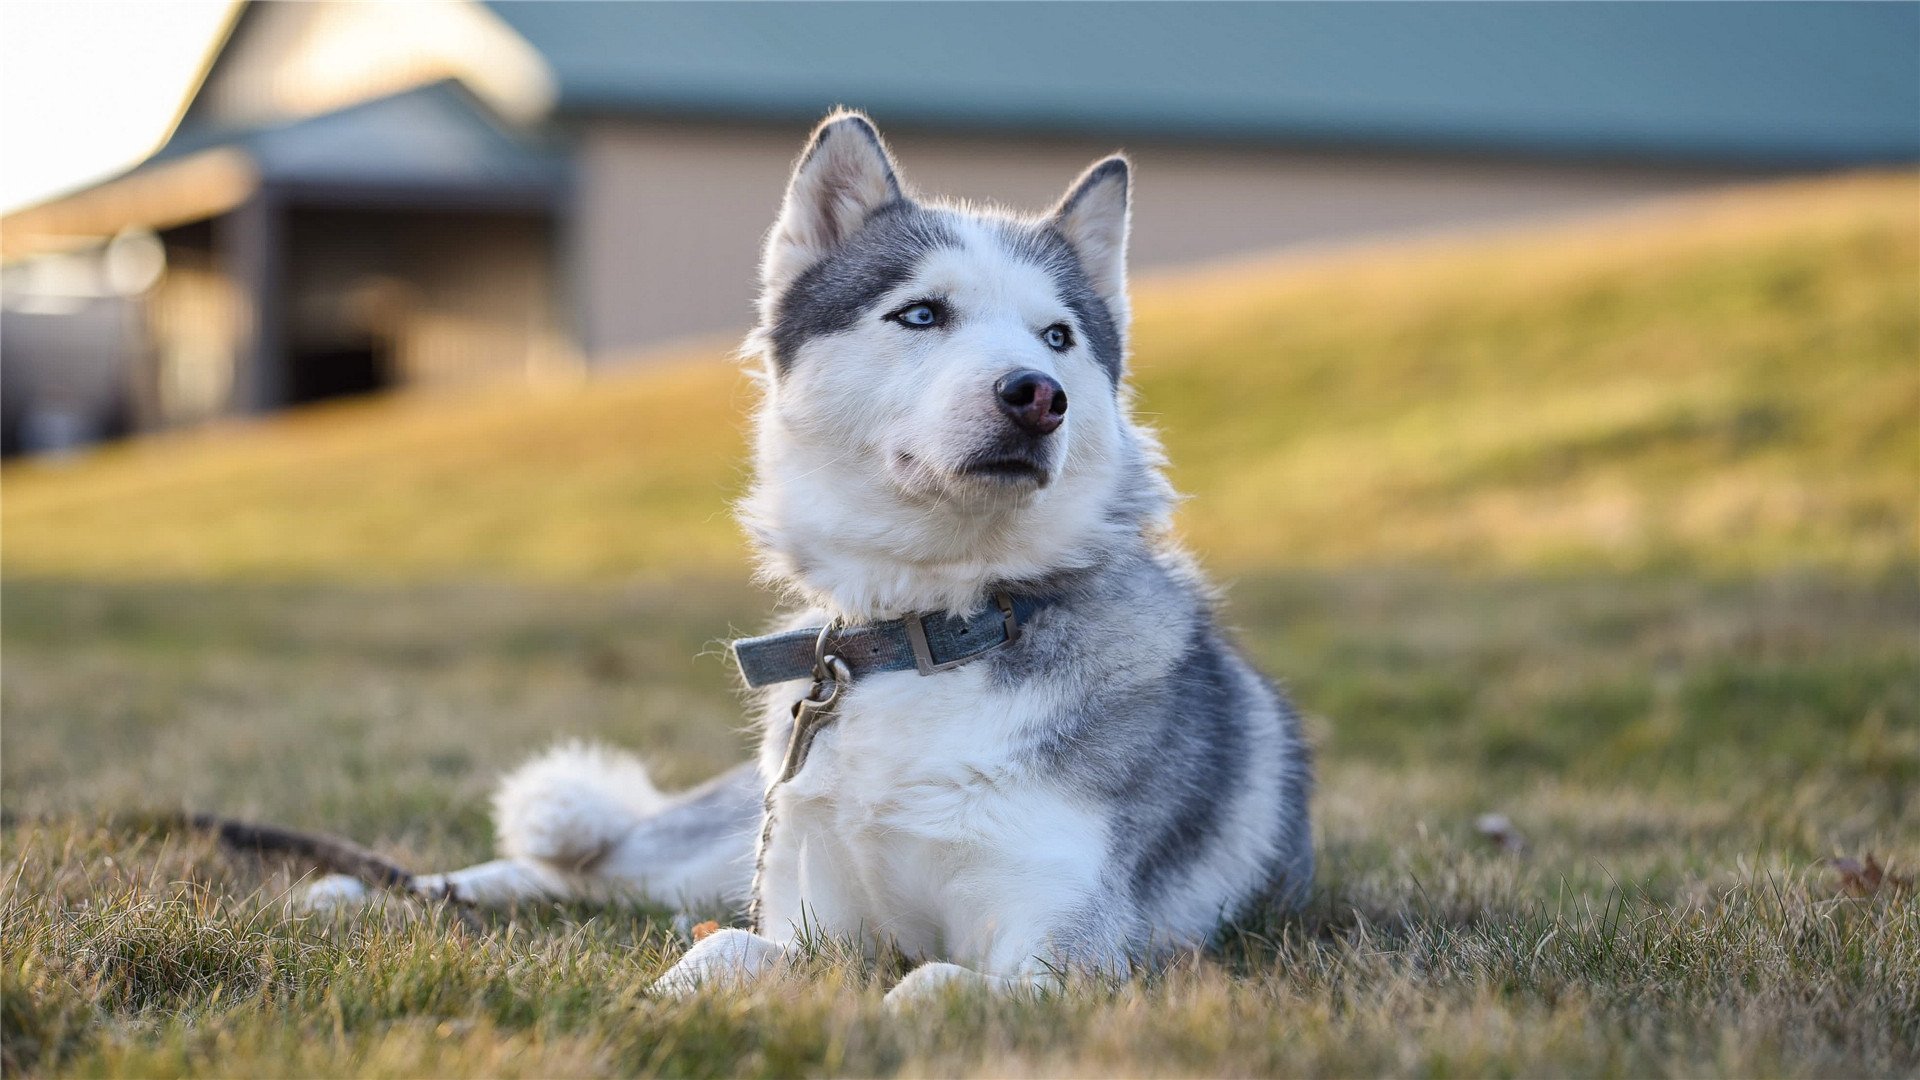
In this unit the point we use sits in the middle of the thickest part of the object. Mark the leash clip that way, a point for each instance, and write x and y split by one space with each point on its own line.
831 677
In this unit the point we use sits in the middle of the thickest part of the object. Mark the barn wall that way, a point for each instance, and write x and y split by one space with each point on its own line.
670 217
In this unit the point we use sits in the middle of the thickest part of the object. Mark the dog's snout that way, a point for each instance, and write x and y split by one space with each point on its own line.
1033 400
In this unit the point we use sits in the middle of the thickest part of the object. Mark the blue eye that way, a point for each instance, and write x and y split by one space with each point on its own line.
923 315
1057 337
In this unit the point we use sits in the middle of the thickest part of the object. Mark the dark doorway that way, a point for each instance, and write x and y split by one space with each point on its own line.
316 374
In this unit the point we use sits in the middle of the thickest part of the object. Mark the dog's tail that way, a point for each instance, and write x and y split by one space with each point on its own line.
578 809
570 806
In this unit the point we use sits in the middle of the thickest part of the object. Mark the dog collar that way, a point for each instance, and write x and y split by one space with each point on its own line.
925 643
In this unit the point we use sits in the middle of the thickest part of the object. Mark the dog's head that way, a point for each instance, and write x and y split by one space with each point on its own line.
945 408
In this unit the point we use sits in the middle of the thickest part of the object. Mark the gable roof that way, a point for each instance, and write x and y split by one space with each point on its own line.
436 142
1801 83
284 61
438 136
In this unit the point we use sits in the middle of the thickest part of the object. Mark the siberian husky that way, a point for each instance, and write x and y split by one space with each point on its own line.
1002 731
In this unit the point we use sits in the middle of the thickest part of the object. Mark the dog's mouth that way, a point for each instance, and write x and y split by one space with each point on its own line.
1013 470
999 470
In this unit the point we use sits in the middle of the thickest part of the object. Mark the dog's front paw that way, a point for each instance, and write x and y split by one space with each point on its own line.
931 981
722 958
333 892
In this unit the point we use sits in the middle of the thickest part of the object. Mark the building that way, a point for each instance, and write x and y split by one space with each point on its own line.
363 195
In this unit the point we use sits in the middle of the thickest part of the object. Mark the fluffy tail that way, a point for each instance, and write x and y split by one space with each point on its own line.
570 806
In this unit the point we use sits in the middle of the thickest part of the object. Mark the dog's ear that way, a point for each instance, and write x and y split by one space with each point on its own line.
844 175
1093 216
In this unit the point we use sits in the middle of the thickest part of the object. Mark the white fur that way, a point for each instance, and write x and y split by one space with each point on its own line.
723 958
569 807
942 844
1096 217
581 822
869 520
841 177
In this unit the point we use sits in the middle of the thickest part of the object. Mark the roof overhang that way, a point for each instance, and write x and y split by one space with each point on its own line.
437 147
159 196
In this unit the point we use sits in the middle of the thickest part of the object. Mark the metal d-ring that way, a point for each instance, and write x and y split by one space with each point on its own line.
825 691
820 655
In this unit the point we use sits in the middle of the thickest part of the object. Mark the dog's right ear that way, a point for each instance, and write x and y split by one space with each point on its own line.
845 175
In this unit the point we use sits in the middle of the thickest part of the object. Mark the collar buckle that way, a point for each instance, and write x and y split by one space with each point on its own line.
923 660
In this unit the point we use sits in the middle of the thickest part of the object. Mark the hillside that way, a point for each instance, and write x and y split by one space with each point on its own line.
1726 383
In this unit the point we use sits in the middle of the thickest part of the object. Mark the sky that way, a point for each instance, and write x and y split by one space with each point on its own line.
89 87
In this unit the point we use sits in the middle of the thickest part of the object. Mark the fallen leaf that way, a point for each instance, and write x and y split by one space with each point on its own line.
705 928
1864 877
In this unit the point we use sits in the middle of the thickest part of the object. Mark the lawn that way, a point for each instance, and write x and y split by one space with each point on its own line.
1609 529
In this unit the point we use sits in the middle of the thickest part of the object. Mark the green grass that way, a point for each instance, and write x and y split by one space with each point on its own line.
1608 528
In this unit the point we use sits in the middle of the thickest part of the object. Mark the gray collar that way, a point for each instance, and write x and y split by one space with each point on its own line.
927 643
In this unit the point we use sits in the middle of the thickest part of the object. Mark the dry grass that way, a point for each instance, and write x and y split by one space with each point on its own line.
1680 758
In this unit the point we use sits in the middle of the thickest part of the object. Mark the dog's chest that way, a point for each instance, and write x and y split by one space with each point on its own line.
915 756
917 795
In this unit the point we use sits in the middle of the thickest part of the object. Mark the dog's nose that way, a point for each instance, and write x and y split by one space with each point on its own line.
1033 400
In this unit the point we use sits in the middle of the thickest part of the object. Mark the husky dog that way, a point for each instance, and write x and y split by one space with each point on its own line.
1003 733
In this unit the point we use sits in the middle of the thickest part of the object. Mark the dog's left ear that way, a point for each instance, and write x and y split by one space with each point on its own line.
1093 216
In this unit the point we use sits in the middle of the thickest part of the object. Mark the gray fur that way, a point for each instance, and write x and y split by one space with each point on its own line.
844 285
840 288
1162 741
718 811
1106 170
856 125
1044 246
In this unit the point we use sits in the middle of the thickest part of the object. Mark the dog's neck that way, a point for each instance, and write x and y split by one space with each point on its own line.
862 580
865 557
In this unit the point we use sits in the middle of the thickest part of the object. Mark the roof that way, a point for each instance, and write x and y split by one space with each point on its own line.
435 137
1793 83
1804 83
436 142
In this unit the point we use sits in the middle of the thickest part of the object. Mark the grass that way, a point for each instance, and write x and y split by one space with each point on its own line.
1680 758
1609 529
